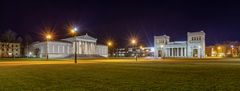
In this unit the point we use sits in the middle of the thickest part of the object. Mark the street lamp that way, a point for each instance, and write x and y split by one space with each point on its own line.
134 43
109 43
48 37
74 32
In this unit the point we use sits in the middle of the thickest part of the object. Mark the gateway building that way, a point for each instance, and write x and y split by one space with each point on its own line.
194 47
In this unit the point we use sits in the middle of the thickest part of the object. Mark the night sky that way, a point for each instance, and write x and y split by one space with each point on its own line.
121 19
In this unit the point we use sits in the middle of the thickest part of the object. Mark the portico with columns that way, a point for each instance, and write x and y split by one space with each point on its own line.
85 44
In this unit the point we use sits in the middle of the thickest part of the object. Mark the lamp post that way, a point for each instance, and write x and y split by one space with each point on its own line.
109 43
74 32
48 37
134 43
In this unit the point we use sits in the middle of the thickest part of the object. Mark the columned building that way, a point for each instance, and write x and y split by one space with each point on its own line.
193 47
86 46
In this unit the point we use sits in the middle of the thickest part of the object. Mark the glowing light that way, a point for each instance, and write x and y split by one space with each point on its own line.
219 48
141 47
48 36
30 53
232 47
133 41
161 46
74 30
109 43
199 47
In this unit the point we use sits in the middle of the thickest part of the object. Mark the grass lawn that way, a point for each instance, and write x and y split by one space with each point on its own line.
121 75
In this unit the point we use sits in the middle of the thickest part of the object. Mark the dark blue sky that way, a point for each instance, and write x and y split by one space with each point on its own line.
120 19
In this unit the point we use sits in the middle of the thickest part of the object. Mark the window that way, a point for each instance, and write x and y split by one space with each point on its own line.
16 45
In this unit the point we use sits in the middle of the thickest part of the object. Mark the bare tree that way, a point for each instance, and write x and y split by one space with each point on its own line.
9 36
27 42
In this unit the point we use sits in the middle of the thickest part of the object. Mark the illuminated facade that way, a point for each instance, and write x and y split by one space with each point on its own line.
193 47
86 46
131 52
9 49
226 49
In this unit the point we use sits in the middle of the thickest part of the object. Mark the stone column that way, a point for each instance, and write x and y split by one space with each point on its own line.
168 52
67 49
182 52
79 47
177 52
185 50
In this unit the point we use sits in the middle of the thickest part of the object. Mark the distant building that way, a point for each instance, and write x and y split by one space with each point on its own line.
86 46
226 49
9 49
131 52
193 47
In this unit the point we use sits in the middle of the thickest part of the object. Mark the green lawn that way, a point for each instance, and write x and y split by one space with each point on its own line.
121 75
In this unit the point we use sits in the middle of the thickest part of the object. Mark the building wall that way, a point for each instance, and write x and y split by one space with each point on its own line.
102 50
53 48
196 41
227 49
84 45
10 49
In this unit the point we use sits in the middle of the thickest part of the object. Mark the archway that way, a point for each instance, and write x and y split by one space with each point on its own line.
195 52
160 53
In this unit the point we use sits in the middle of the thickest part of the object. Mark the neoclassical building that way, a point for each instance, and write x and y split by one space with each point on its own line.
193 47
86 46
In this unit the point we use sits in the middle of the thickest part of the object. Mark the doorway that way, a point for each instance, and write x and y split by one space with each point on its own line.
195 52
160 54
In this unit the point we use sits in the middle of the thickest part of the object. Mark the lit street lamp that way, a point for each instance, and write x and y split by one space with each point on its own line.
74 32
134 43
48 37
109 43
